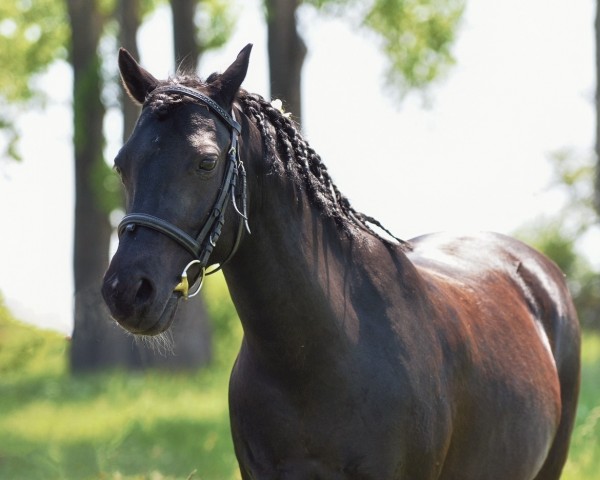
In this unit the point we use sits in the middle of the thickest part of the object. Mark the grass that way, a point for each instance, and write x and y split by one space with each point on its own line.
154 426
159 426
115 425
584 457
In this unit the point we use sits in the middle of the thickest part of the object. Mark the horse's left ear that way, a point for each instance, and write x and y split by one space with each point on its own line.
229 82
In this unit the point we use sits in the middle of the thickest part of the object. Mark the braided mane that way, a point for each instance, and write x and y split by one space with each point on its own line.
290 154
299 161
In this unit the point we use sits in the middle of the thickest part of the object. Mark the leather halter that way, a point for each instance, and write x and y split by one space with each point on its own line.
202 245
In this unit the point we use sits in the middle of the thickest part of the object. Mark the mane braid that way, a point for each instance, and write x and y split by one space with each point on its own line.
303 164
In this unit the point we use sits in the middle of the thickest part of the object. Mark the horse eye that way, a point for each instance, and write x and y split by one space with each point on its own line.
208 163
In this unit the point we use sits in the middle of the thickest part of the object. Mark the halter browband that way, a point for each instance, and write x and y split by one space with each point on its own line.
228 118
202 246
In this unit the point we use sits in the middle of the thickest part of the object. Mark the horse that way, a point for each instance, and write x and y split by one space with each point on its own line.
364 356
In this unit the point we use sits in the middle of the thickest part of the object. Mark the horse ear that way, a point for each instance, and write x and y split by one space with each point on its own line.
137 81
229 82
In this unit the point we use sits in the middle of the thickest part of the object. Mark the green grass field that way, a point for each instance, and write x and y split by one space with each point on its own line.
157 426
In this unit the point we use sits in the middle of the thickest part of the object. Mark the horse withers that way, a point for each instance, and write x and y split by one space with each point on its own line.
364 356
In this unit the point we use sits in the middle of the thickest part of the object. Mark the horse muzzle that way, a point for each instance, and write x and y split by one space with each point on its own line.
137 306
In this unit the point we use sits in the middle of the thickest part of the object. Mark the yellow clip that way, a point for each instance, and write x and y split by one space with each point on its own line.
183 286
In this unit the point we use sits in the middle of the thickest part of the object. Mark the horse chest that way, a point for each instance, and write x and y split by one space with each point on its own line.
330 428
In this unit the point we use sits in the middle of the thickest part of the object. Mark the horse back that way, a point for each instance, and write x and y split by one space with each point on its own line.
500 268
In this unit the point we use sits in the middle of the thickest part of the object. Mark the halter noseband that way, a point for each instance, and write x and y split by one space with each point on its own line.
202 245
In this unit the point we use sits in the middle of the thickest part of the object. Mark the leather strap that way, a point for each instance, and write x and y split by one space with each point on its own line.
130 221
214 106
202 246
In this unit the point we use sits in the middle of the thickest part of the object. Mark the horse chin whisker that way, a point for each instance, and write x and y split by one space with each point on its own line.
162 344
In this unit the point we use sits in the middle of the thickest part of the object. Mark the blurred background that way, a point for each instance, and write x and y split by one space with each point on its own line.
430 115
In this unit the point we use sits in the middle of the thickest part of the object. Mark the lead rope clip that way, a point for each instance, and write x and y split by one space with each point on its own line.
184 286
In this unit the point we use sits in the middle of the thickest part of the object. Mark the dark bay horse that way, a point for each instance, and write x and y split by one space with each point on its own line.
364 357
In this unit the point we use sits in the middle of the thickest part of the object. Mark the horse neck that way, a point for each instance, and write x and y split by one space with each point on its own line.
290 278
277 279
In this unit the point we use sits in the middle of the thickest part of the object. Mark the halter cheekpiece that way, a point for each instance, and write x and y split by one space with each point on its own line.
201 246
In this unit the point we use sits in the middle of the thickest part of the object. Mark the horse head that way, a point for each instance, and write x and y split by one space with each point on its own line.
181 174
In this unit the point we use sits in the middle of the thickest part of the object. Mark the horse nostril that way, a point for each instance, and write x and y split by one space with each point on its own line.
144 291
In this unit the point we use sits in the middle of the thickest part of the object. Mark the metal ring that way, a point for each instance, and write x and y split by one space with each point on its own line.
199 282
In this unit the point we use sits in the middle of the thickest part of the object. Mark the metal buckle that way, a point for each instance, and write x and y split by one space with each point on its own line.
184 287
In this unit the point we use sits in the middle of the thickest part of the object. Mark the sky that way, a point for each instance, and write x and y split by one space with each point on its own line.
472 156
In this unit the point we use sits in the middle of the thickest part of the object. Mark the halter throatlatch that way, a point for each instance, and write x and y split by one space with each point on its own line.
202 246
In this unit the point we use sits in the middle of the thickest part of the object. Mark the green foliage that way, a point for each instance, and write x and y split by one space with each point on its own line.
158 425
25 349
551 237
559 235
32 35
415 35
215 21
573 175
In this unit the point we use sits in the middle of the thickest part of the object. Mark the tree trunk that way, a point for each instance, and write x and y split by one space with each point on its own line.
187 49
92 227
287 51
